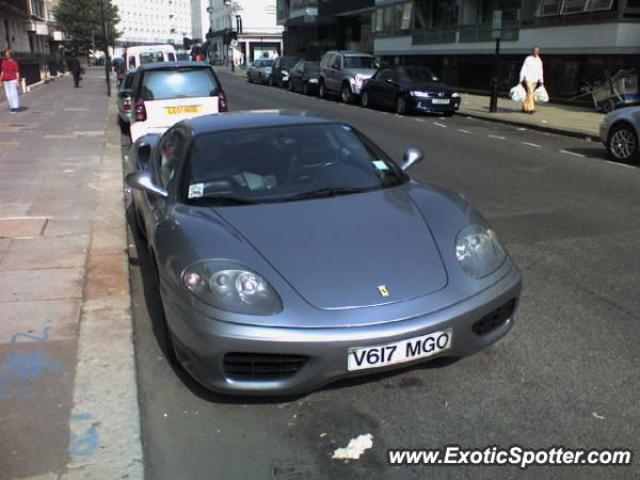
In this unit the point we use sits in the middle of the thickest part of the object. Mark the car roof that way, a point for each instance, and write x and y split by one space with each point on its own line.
350 53
172 65
251 119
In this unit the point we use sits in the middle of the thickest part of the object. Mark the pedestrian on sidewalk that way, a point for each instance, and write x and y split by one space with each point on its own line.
531 77
73 64
9 78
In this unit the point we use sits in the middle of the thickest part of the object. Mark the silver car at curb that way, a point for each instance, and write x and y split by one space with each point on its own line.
291 252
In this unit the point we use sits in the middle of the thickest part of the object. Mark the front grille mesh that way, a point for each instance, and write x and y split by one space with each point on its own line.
261 366
495 319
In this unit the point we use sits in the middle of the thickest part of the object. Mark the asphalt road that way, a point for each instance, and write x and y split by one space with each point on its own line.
568 374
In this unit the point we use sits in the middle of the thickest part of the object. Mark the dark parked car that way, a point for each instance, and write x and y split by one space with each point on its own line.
408 90
273 240
281 69
305 77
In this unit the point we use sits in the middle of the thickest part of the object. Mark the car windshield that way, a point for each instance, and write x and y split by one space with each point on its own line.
288 62
178 83
264 63
416 74
279 164
312 68
352 61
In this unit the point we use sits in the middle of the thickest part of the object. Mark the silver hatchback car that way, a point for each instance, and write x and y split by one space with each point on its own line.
291 252
620 131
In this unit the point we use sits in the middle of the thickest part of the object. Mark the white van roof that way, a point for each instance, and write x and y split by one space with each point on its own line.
150 48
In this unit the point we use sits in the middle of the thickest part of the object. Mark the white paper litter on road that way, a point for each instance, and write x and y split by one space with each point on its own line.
357 446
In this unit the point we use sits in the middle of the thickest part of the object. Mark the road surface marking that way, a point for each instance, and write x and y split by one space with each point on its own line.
567 152
521 129
421 120
497 137
534 145
462 130
620 164
439 125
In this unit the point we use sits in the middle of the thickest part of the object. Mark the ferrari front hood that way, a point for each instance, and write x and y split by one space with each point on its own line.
349 251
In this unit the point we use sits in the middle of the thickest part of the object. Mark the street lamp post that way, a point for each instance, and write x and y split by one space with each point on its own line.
497 35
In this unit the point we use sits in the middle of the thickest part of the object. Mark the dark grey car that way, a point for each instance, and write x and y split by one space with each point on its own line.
291 252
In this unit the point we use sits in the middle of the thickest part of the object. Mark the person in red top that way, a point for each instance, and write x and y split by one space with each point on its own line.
9 78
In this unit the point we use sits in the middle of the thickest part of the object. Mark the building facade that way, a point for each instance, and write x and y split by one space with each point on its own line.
581 39
27 27
199 20
148 22
243 31
314 26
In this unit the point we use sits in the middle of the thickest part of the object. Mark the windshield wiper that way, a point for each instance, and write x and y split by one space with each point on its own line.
324 193
221 200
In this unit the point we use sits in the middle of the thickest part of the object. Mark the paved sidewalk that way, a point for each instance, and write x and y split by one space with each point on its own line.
563 119
555 118
68 398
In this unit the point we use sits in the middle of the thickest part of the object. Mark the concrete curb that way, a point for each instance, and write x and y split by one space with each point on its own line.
532 126
105 438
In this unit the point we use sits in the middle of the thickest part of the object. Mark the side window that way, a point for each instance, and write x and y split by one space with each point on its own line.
337 62
384 75
171 151
132 62
172 57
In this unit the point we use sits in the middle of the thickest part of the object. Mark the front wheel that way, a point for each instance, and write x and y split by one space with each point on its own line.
365 99
623 143
323 90
401 106
291 89
346 95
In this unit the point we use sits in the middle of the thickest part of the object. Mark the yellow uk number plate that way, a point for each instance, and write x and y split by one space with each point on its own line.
182 109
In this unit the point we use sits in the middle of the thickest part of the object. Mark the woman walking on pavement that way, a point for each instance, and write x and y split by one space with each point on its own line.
531 77
9 78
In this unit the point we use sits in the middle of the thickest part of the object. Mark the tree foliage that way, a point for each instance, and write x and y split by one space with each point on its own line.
81 21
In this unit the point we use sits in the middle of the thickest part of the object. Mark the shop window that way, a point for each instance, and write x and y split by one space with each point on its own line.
549 7
598 5
406 16
572 6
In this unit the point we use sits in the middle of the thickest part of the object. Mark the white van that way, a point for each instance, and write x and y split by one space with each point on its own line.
138 56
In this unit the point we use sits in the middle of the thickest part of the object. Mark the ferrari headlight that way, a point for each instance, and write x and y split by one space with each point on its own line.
479 251
231 287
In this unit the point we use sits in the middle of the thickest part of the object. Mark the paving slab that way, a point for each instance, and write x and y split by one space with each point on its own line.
38 285
22 227
22 322
44 253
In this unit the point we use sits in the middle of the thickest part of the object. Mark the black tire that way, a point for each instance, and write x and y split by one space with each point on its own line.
271 82
622 143
323 90
607 106
138 224
305 88
166 341
345 94
401 105
291 89
364 100
249 79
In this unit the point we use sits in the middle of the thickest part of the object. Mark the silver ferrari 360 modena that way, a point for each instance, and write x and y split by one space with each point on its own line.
291 251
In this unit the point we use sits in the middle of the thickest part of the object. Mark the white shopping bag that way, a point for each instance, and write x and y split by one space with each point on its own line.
518 93
541 95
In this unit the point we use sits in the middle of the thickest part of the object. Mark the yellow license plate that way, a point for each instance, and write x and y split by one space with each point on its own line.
182 109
